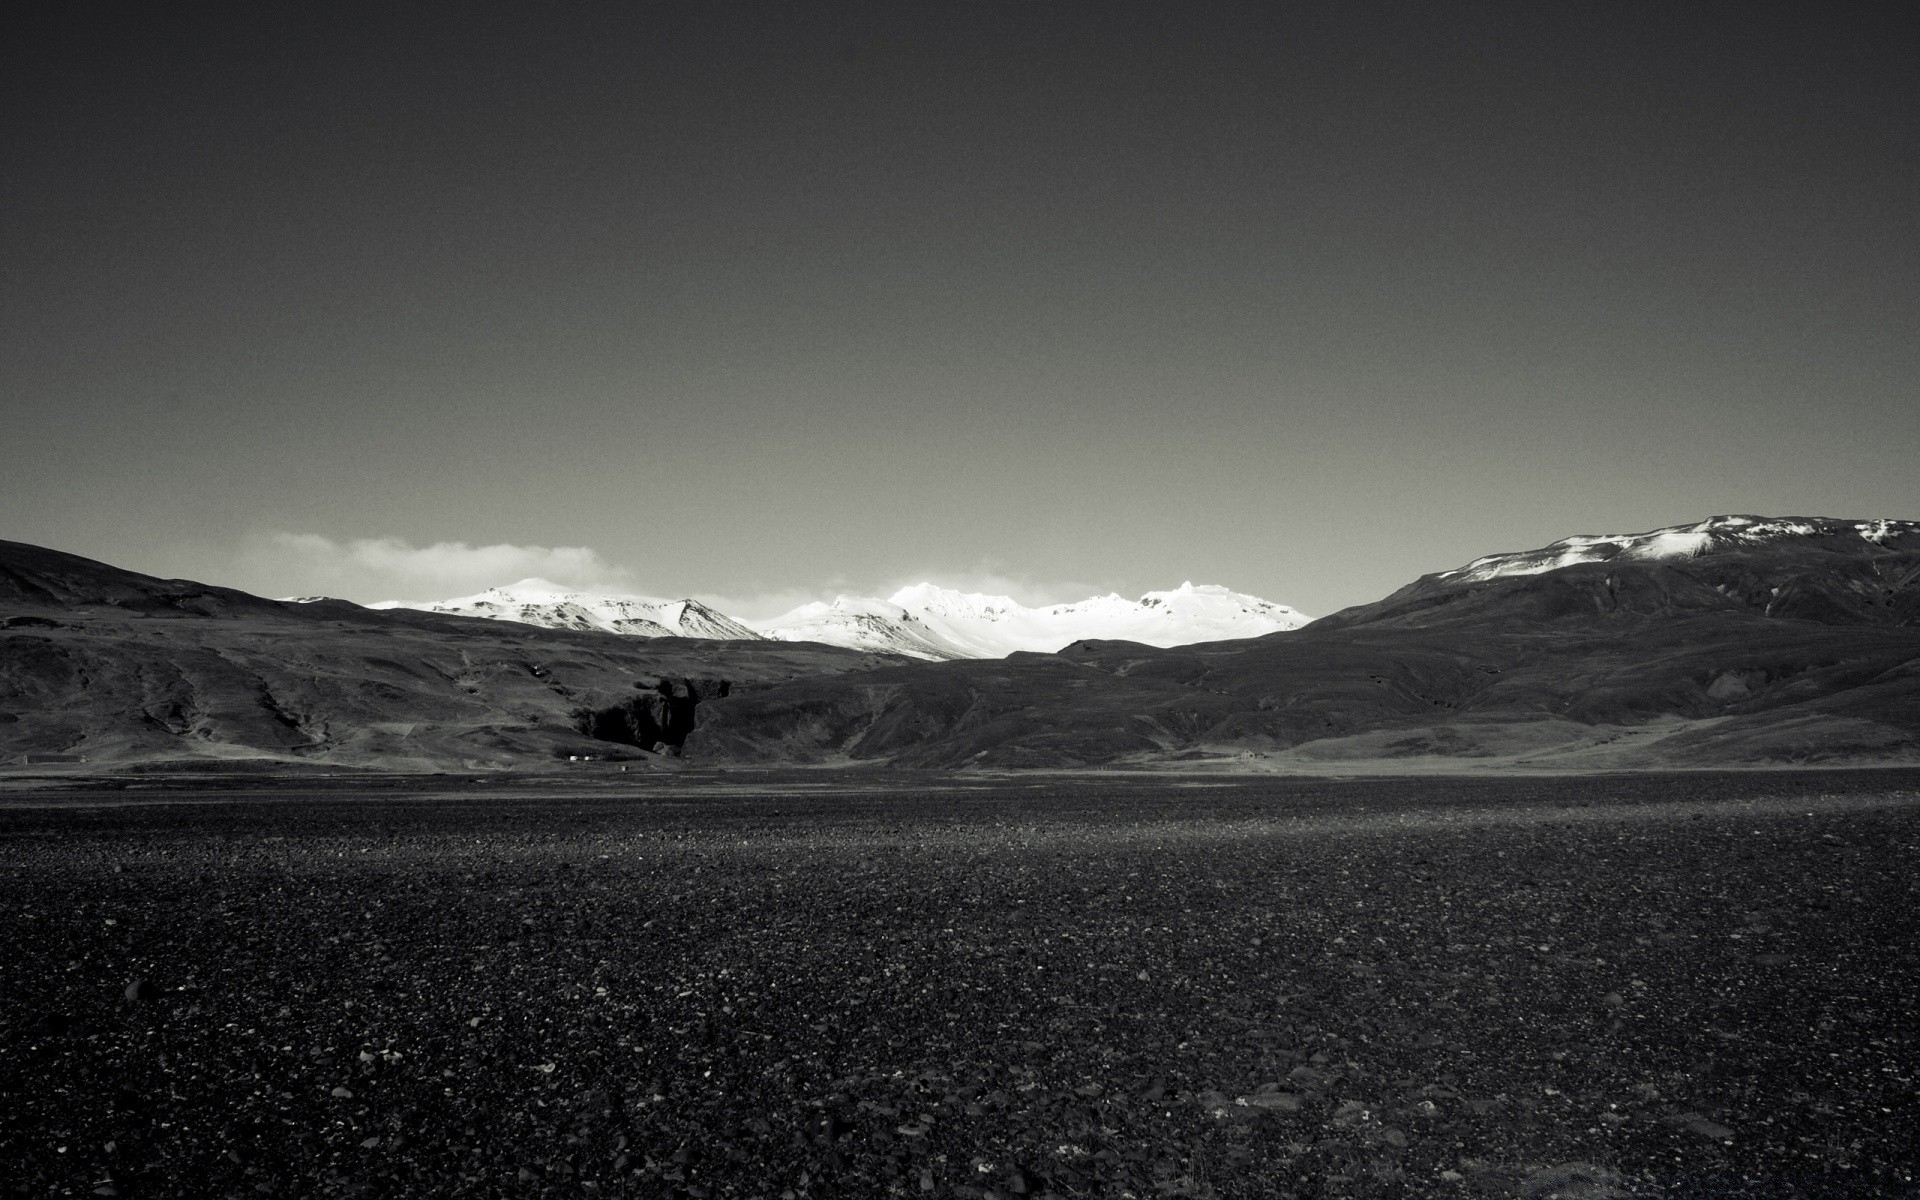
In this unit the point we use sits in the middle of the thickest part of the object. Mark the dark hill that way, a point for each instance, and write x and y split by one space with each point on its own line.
1805 568
1786 647
114 666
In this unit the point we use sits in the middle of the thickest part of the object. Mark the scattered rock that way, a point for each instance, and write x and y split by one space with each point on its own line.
1703 1125
1573 1181
1350 1113
138 992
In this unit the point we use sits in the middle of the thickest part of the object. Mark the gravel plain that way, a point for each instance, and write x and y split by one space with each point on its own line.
1700 985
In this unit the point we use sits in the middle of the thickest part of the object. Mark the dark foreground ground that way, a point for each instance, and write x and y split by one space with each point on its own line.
1693 985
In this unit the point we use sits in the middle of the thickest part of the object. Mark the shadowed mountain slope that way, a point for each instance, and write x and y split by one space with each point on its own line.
1817 569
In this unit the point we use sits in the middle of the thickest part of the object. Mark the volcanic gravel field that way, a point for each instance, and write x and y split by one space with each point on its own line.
753 986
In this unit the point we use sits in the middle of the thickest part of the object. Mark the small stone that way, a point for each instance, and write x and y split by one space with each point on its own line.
1272 1101
138 992
341 1093
1350 1113
1573 1181
1704 1126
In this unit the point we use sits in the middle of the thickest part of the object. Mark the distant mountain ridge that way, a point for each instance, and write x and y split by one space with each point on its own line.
547 604
927 621
111 666
1737 640
1713 535
922 621
1733 641
1824 569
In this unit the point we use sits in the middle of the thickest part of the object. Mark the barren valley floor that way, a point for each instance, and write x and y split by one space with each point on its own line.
785 986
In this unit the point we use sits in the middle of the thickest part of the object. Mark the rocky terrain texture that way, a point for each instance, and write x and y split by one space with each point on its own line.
1696 987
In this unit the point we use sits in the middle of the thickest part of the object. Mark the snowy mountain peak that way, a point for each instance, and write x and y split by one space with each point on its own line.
1712 535
545 603
928 621
921 621
939 601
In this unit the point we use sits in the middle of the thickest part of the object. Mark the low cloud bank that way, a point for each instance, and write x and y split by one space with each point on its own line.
390 568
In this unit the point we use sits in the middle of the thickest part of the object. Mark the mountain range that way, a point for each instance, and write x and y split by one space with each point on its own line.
922 621
538 602
1737 640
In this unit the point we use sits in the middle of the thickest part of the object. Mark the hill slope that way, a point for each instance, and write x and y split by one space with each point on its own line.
1793 647
115 666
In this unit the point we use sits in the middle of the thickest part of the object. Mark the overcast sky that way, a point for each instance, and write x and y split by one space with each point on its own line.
764 302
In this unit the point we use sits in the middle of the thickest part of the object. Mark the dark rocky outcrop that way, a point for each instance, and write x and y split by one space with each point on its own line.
659 718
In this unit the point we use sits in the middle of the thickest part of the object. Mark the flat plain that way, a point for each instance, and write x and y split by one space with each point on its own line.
809 985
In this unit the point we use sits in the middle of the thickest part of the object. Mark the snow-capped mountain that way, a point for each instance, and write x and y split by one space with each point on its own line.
861 623
927 621
922 621
539 602
1686 541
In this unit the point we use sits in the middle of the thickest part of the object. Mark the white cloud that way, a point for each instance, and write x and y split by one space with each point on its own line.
372 569
992 579
391 568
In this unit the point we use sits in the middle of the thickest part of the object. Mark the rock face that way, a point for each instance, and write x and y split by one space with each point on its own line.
658 720
111 666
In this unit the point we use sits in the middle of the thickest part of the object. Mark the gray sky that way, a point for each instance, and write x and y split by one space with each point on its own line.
765 302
